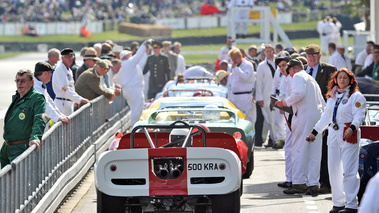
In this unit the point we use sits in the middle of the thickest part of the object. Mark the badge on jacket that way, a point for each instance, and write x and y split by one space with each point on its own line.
21 116
357 104
344 101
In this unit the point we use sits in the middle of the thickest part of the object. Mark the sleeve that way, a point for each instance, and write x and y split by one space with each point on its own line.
298 90
167 69
326 116
231 3
38 122
259 83
181 65
138 56
97 88
358 108
365 71
146 68
368 61
62 84
245 73
370 200
276 82
51 110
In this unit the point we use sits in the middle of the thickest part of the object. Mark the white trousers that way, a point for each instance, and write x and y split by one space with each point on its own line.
244 102
325 40
306 157
269 119
280 125
135 98
244 15
287 153
343 173
66 107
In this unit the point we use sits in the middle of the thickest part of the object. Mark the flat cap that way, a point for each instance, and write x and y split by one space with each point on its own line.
67 51
110 65
303 60
294 55
157 44
290 50
376 51
102 63
312 49
283 58
106 46
83 50
43 66
292 63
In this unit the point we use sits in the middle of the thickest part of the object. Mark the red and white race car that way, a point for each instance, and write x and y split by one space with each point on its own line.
171 168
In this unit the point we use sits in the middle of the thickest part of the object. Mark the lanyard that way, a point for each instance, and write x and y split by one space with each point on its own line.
336 107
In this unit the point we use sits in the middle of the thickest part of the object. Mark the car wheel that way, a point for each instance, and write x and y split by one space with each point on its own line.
249 167
106 203
230 203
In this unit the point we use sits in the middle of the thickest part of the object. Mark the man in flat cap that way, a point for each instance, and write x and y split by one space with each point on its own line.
172 58
42 75
159 68
23 122
130 78
63 85
308 104
88 84
284 91
321 72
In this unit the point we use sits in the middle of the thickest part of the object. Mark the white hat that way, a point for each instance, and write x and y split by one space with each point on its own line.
117 49
124 53
341 46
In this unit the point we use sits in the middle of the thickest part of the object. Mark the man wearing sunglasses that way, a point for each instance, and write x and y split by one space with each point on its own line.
63 85
23 123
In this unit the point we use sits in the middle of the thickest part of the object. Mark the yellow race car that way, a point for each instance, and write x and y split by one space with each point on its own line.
189 102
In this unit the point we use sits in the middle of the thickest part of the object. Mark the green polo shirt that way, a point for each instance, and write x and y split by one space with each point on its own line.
24 117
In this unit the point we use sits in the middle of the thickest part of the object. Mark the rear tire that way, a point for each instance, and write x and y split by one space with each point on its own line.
106 203
249 167
230 203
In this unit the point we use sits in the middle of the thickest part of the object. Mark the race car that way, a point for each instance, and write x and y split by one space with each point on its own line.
187 169
199 83
189 102
215 119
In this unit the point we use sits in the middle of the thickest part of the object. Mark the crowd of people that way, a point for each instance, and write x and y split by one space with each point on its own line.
311 108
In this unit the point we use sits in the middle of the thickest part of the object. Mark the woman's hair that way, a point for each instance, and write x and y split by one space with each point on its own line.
333 81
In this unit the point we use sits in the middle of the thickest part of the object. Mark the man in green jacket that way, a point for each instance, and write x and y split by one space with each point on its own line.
23 123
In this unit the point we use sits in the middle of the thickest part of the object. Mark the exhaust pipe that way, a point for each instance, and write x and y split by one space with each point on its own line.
162 171
174 170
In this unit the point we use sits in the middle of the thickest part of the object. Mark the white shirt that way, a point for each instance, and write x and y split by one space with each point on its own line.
368 61
223 54
196 71
242 78
130 74
361 57
264 81
51 110
337 60
181 65
276 82
63 84
370 200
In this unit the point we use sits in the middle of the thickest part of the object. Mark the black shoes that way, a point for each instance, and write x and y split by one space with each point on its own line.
348 210
285 184
269 144
296 189
336 209
325 189
279 145
313 193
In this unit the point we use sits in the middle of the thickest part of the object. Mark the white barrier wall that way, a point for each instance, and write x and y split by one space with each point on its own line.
209 21
54 28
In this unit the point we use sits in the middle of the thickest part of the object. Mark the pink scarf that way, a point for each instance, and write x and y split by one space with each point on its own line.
337 89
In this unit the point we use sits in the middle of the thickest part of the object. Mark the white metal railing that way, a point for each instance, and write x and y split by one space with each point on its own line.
38 181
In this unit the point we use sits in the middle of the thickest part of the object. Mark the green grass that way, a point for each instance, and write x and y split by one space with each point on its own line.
114 35
10 54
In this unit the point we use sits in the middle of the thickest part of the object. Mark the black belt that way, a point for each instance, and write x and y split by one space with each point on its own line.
63 99
240 93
